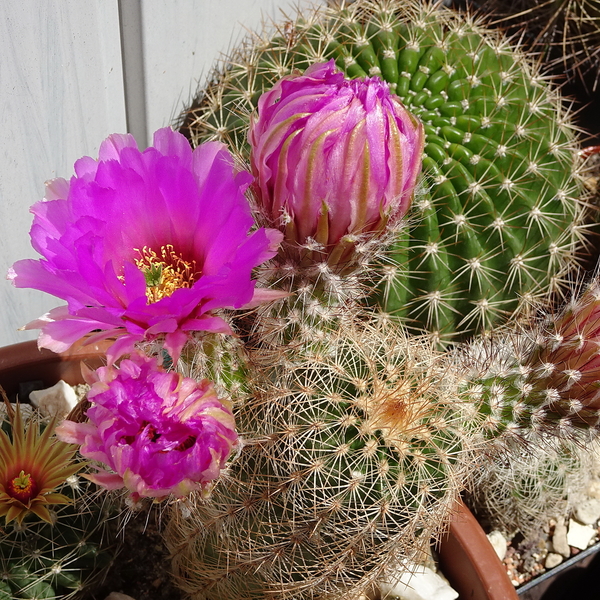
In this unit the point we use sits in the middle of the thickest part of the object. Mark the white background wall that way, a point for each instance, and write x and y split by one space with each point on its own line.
74 71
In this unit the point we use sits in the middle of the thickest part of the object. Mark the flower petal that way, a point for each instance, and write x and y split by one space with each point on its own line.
157 432
143 245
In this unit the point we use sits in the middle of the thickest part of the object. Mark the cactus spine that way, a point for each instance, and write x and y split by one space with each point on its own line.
501 217
567 32
359 438
518 491
41 561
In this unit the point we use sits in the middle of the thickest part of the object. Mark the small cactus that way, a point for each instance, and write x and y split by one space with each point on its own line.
56 548
520 490
58 560
501 216
543 380
539 391
567 32
353 456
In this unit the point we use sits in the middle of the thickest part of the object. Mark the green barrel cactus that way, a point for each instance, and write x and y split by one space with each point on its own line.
53 541
500 214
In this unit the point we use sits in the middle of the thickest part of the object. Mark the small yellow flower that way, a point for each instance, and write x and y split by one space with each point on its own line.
32 465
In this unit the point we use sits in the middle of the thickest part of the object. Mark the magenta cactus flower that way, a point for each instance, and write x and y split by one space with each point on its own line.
158 433
145 244
333 157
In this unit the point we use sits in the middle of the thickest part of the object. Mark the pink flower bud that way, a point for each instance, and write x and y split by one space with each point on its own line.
158 433
571 360
333 157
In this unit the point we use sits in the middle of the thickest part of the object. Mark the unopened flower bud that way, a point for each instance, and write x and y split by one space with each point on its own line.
334 158
574 351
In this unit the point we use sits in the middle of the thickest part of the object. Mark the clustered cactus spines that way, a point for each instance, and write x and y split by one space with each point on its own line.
58 560
501 215
519 490
543 379
567 32
51 541
52 545
352 459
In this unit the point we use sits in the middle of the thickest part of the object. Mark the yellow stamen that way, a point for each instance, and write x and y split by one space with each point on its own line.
166 272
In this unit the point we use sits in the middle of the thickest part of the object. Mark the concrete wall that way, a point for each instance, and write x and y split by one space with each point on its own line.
72 72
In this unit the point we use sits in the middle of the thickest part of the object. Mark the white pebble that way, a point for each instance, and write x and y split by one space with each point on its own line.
553 560
559 539
588 511
580 536
418 583
499 543
59 400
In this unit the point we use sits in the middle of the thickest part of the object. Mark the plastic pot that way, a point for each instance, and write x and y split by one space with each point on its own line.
578 577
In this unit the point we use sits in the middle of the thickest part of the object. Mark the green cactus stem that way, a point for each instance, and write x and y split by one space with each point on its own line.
542 380
42 560
502 212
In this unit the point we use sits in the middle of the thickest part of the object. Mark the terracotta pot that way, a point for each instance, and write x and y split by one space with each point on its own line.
470 563
24 362
473 569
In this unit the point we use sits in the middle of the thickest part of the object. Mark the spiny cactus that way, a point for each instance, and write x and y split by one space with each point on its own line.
58 560
501 217
542 380
352 459
567 32
540 394
56 548
519 490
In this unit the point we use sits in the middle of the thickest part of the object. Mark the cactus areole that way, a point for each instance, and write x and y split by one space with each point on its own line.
499 214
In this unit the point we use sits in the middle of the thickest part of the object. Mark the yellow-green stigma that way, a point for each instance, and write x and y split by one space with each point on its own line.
165 272
22 487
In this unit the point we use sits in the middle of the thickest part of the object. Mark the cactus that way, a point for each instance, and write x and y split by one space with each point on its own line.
57 557
353 455
567 32
42 560
501 214
520 490
358 438
542 380
539 388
